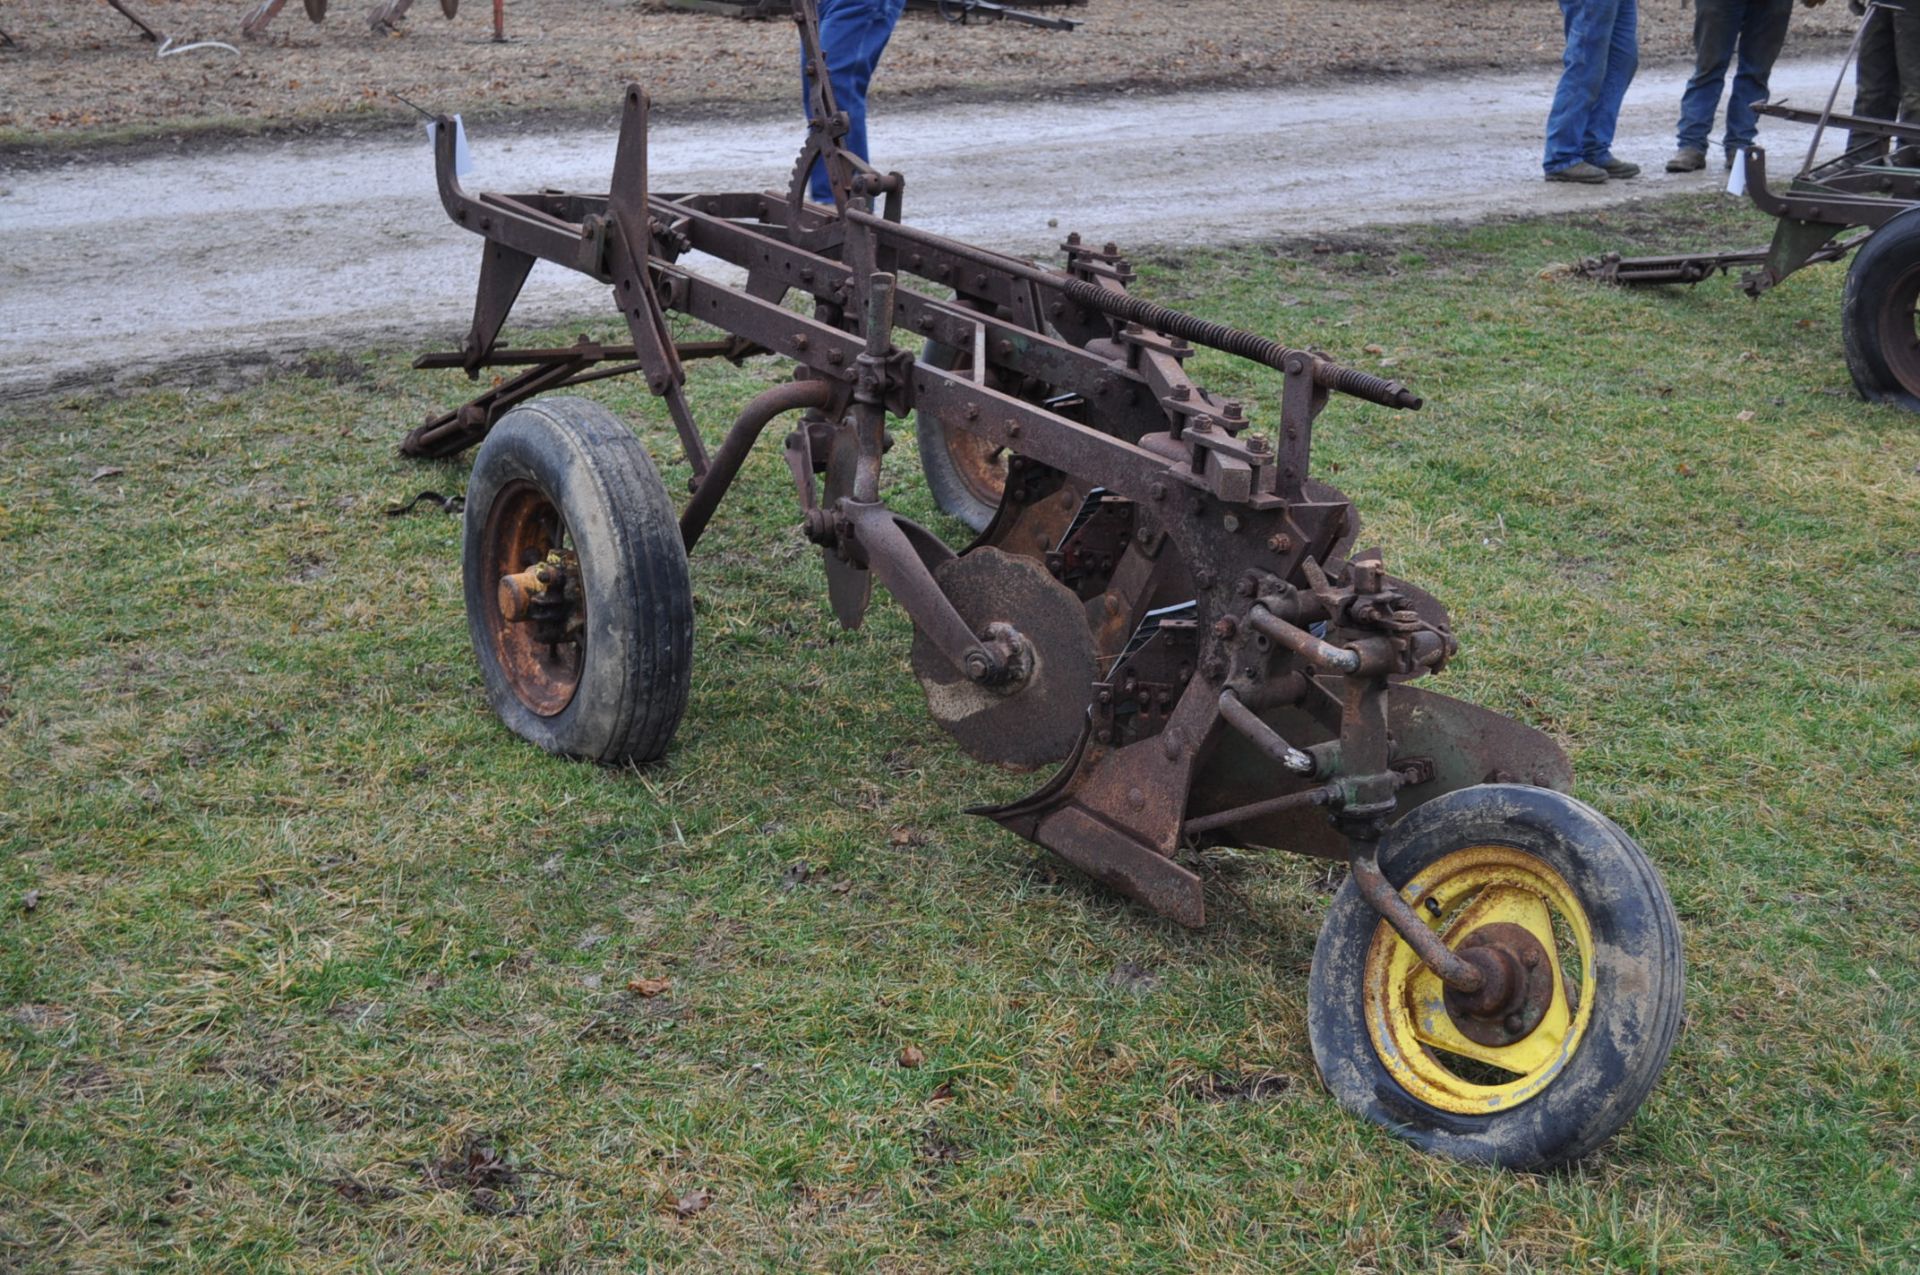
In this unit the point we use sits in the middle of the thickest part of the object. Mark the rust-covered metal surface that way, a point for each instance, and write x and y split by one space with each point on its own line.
1167 605
1164 604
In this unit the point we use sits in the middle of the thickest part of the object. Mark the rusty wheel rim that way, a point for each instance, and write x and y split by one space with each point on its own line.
523 526
981 464
1899 339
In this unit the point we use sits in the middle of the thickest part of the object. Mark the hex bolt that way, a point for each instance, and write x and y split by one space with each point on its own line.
834 357
1231 522
1225 627
1281 543
1515 1022
800 341
1247 585
978 666
1205 578
1157 491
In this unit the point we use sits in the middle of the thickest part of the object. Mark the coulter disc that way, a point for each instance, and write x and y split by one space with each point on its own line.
1033 719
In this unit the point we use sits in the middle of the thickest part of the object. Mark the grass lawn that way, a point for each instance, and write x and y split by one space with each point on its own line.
305 962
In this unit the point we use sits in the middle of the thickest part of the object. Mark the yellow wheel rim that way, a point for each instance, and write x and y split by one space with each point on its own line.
1407 1017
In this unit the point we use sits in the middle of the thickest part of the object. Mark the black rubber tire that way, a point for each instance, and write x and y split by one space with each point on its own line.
1638 983
637 663
1875 311
951 491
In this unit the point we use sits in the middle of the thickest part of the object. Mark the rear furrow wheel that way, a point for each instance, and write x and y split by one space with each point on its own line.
1877 314
966 473
577 592
1582 924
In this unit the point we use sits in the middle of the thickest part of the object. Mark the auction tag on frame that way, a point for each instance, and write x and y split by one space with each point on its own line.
1736 175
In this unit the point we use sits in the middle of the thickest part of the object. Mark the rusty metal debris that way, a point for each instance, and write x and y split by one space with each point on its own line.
1165 600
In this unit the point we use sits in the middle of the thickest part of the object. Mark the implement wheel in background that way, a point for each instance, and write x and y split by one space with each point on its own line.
1877 314
1586 930
577 593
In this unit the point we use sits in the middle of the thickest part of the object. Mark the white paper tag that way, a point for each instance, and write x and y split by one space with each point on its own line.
462 157
1737 175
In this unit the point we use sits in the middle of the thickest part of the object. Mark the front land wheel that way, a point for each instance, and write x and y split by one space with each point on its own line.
1581 923
578 597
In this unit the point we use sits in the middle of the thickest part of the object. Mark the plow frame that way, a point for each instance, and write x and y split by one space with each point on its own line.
1858 189
1284 624
1163 600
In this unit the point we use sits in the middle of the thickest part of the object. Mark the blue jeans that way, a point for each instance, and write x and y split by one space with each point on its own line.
1757 29
1603 49
853 34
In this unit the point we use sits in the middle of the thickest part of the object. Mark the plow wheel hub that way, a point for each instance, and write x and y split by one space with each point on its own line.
1518 989
1035 715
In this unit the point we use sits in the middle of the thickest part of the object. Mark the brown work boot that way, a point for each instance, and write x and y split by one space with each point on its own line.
1620 169
1583 172
1687 160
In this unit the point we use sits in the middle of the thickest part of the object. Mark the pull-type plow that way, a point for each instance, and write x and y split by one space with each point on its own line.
1161 599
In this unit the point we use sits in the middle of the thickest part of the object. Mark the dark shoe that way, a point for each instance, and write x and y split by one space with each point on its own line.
1584 173
1620 169
1687 160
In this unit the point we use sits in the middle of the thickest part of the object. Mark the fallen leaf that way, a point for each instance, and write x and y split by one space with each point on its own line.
695 1201
30 900
1743 416
1374 349
943 1092
648 988
107 471
911 1056
906 837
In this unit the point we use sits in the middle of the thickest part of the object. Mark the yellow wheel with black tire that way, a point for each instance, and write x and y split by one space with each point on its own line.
1581 1001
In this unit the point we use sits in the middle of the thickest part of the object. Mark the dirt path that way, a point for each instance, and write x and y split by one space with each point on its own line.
113 271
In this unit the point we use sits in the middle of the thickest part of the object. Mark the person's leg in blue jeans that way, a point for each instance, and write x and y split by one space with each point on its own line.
853 34
1763 34
1716 28
1623 59
1585 79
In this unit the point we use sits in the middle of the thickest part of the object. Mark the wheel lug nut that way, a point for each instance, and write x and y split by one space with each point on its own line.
1515 1022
